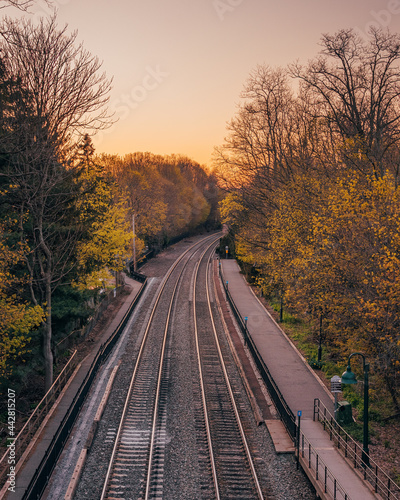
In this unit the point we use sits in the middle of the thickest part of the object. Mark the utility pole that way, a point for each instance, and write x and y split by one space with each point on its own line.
134 243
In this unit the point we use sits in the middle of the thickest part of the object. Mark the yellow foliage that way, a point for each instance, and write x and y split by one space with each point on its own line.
17 319
109 247
230 207
334 250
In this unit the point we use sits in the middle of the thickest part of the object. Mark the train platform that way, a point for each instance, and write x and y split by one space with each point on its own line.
296 380
25 474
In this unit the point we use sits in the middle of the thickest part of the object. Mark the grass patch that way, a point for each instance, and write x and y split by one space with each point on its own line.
300 332
355 430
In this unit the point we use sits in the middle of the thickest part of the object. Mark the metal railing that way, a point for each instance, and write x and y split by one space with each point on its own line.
383 485
307 455
43 472
138 276
24 437
311 460
282 407
100 309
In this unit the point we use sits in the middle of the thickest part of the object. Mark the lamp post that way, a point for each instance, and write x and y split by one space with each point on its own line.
349 377
320 339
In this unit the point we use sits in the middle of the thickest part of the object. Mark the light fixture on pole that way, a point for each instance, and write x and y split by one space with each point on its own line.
349 377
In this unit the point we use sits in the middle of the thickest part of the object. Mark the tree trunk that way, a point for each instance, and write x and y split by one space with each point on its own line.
47 336
392 390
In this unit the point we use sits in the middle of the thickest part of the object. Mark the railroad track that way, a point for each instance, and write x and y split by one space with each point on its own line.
139 443
137 464
231 464
171 427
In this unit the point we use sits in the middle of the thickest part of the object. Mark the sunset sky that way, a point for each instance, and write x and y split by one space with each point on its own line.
178 66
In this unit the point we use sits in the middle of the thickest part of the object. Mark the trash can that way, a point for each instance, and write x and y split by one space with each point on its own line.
344 413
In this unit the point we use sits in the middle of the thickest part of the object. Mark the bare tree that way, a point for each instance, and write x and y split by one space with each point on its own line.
268 141
24 5
356 87
68 93
254 146
60 97
20 4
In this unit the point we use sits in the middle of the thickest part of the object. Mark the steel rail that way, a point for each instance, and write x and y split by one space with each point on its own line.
203 392
158 388
239 421
136 367
228 385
